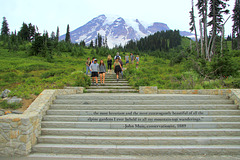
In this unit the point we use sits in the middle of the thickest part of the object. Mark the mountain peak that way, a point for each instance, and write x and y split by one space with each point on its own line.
118 30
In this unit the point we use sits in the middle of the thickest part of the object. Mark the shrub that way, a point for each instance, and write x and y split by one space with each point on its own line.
5 105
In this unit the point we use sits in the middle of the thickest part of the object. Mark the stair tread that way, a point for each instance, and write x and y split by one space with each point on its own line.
135 146
152 116
137 138
139 130
81 156
138 122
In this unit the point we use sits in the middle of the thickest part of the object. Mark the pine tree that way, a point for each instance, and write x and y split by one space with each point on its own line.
57 36
99 40
202 6
53 36
24 32
106 43
193 26
91 44
5 29
236 24
96 43
68 39
217 8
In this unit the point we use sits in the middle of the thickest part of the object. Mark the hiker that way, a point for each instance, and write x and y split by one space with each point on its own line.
132 58
127 59
94 68
120 61
88 63
137 60
92 60
117 56
102 70
117 68
109 62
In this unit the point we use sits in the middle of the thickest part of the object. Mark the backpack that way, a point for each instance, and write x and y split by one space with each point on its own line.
121 62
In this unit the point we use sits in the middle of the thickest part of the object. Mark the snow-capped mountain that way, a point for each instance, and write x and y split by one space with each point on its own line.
116 29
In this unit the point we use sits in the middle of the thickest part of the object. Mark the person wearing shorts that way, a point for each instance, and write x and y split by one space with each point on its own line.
117 68
102 71
88 63
127 59
132 58
109 62
94 68
137 60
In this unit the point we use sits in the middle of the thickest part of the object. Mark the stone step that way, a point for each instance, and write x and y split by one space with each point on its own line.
115 81
53 139
114 84
140 97
111 91
142 112
132 157
39 156
140 132
138 102
136 149
70 118
141 125
86 106
109 87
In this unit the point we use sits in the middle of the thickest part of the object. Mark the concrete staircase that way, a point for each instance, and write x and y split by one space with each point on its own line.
129 126
111 85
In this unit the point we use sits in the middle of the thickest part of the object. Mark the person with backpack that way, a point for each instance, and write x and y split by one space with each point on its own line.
116 57
102 71
88 63
132 58
117 68
127 59
109 62
137 60
120 61
94 68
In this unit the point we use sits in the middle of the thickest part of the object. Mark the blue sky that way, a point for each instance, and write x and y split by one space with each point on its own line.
48 14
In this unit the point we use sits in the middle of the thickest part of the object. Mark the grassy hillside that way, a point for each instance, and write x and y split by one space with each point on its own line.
27 76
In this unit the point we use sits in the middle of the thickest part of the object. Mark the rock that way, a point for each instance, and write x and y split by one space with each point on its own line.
14 100
5 93
148 89
2 112
17 112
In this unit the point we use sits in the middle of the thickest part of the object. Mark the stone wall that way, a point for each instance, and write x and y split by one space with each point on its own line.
18 133
148 90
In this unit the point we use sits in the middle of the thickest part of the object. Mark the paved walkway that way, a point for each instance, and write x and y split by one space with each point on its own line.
165 157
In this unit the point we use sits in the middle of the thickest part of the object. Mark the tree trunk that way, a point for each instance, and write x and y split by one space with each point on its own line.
196 39
205 28
222 39
201 37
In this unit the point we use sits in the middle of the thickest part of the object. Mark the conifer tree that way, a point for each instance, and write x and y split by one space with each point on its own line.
236 24
96 43
67 38
202 6
57 36
99 40
91 44
5 29
193 26
217 8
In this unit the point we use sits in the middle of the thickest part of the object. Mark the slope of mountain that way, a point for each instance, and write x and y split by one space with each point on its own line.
116 29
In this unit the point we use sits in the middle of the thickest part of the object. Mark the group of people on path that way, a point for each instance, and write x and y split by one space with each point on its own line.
100 69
